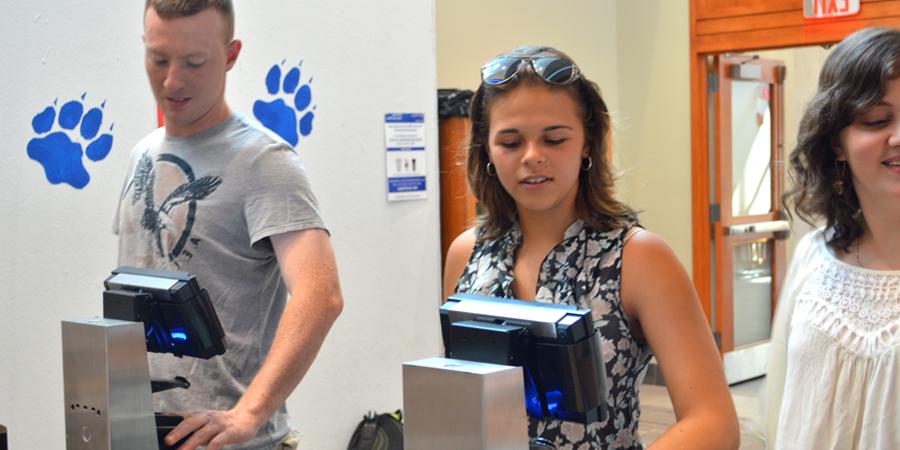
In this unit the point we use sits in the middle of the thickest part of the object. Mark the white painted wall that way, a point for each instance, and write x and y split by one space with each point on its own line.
654 135
367 59
470 32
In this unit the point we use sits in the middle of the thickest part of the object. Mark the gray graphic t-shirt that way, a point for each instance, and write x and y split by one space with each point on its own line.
206 204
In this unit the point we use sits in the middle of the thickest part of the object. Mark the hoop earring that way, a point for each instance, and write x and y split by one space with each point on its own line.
590 163
838 184
490 169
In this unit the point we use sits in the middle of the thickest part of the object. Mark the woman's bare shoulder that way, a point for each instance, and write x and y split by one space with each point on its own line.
457 257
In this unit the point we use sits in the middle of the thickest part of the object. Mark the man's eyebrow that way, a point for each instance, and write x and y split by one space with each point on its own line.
189 55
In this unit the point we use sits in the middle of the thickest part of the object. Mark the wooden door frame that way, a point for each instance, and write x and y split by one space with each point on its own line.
458 208
723 26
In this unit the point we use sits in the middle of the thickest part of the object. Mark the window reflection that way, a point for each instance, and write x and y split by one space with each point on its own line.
751 148
752 291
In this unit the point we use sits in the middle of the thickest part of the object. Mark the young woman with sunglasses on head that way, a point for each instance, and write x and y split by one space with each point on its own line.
834 368
550 230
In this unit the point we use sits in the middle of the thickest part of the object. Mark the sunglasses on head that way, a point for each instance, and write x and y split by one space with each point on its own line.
553 69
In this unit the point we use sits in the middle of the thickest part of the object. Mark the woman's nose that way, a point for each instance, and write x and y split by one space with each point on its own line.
534 154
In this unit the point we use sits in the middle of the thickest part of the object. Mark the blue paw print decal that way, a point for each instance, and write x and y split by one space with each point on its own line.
280 116
60 152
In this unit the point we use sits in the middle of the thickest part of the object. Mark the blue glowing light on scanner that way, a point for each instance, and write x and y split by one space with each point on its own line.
179 336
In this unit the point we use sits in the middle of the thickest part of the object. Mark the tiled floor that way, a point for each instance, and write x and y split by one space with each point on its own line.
657 415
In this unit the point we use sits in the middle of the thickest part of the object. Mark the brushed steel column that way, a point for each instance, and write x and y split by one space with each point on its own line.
107 386
452 404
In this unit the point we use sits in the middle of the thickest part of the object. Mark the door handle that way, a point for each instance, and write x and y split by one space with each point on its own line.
781 228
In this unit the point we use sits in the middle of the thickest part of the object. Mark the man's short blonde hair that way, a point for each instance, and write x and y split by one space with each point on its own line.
170 9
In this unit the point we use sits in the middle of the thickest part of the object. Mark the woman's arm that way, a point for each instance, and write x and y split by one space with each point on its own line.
662 306
457 257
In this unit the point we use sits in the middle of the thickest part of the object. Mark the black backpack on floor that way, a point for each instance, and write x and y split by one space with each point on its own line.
378 432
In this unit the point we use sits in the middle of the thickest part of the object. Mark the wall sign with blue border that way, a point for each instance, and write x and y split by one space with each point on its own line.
404 140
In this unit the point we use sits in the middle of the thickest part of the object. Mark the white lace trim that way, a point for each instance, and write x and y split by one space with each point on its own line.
858 308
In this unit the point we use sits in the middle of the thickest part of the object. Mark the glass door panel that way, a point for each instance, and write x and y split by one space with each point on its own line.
751 148
752 287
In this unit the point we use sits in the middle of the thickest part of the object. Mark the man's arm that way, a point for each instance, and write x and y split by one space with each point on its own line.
307 265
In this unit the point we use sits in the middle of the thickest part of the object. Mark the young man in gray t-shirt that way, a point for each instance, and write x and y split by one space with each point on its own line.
215 195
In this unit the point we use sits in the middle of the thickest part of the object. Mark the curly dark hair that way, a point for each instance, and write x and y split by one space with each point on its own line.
170 9
594 202
852 79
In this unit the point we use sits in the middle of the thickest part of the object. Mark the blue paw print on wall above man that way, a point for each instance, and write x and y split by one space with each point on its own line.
60 152
280 116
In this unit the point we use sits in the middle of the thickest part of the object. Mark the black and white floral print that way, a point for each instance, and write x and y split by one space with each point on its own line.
583 270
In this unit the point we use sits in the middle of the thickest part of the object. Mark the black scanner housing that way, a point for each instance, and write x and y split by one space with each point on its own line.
177 314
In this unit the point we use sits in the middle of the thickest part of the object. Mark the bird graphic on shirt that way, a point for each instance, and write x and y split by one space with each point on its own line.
156 219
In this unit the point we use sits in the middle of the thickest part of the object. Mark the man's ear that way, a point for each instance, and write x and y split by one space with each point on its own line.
231 53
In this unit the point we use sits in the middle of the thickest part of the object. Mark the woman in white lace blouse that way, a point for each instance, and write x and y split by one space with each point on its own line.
834 371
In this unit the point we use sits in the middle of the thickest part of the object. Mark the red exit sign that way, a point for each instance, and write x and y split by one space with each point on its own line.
823 9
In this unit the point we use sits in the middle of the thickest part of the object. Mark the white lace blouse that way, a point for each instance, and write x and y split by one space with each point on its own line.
834 368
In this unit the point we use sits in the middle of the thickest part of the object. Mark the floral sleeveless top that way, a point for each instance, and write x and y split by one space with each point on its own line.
582 270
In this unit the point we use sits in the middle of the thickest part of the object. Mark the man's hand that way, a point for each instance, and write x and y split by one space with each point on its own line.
307 265
215 429
308 268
